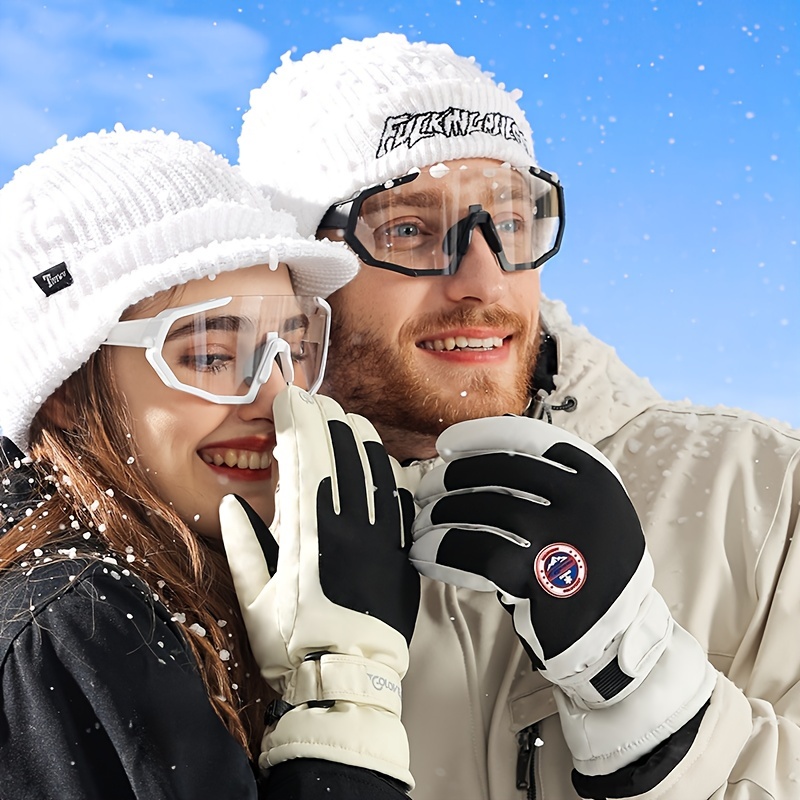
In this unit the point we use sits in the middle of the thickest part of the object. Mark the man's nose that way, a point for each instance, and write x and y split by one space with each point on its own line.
479 276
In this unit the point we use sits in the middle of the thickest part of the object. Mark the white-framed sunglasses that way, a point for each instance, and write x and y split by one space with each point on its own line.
225 349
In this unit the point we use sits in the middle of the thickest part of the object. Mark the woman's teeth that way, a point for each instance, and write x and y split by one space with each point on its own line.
241 459
462 343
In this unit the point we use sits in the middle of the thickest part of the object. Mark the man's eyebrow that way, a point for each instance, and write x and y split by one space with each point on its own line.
515 189
518 187
425 198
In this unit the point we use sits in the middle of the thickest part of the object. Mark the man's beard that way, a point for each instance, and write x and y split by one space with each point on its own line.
381 380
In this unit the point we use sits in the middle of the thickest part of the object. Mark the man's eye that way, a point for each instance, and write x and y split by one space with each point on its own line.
403 230
507 226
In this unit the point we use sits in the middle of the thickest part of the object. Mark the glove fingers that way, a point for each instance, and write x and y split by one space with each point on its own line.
364 429
354 481
385 492
265 538
487 547
512 517
361 443
432 554
535 478
304 451
513 435
407 477
243 548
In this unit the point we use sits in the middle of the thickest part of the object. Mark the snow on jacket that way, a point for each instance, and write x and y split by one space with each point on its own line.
718 494
102 700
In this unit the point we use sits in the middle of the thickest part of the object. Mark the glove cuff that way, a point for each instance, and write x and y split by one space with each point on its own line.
624 664
334 676
603 740
345 732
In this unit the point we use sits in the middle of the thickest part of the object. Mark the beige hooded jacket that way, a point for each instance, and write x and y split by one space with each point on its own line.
718 494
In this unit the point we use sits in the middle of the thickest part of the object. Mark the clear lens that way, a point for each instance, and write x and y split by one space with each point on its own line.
408 225
221 351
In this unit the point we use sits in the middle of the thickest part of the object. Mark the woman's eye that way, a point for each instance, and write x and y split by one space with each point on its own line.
206 362
299 353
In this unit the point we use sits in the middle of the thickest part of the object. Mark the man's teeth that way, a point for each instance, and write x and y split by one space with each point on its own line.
463 343
242 459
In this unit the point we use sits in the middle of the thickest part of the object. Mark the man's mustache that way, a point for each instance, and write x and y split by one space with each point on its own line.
464 317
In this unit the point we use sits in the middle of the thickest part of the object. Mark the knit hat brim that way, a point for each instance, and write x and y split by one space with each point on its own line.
96 224
315 270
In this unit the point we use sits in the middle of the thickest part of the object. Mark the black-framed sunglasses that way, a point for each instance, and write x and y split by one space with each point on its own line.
422 223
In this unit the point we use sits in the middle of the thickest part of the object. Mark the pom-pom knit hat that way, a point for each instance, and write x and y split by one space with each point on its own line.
340 120
98 223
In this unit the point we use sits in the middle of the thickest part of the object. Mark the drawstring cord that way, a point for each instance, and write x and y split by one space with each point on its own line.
540 408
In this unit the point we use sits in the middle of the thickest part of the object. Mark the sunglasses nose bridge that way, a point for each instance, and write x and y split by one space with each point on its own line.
276 351
458 238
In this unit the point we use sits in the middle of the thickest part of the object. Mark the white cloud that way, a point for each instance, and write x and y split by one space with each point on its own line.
75 67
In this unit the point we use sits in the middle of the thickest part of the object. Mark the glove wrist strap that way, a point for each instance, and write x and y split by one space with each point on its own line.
337 677
626 662
603 740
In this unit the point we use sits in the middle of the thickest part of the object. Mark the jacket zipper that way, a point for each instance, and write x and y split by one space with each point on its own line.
526 760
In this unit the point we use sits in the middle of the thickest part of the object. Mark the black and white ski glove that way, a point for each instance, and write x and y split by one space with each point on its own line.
534 513
330 625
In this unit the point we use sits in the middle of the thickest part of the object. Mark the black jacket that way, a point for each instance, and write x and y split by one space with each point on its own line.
101 699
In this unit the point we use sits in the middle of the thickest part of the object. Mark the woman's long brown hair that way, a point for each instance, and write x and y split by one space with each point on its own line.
90 480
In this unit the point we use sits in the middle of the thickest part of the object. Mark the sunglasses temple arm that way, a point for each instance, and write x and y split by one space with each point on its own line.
134 333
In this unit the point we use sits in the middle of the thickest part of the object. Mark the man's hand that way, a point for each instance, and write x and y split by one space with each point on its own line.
530 511
329 615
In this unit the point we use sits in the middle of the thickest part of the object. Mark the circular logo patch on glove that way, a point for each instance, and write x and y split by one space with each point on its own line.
560 569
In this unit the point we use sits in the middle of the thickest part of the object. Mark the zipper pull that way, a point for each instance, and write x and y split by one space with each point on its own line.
527 742
525 756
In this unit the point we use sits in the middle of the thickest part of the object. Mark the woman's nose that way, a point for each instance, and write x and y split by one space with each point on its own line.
261 407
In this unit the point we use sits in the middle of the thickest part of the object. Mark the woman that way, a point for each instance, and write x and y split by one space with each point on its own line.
155 306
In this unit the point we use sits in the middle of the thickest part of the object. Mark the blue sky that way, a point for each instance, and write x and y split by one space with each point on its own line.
674 127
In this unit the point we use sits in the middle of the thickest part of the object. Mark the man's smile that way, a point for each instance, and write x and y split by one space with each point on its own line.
461 342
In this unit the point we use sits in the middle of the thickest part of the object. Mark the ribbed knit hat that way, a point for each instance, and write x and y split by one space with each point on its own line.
340 120
103 221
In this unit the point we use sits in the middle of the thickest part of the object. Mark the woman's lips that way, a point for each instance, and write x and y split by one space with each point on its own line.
239 459
238 462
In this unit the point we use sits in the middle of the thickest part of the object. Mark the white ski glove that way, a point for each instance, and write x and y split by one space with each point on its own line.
534 513
330 626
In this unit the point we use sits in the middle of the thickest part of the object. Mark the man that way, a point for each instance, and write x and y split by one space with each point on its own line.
424 166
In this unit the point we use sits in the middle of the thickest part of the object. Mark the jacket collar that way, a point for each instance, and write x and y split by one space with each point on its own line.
609 394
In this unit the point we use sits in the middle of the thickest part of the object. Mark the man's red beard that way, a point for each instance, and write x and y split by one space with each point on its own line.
383 382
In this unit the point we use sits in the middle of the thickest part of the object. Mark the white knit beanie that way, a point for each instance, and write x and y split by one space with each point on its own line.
340 120
103 221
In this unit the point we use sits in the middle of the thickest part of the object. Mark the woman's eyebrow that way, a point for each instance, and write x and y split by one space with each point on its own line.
222 322
296 323
228 322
